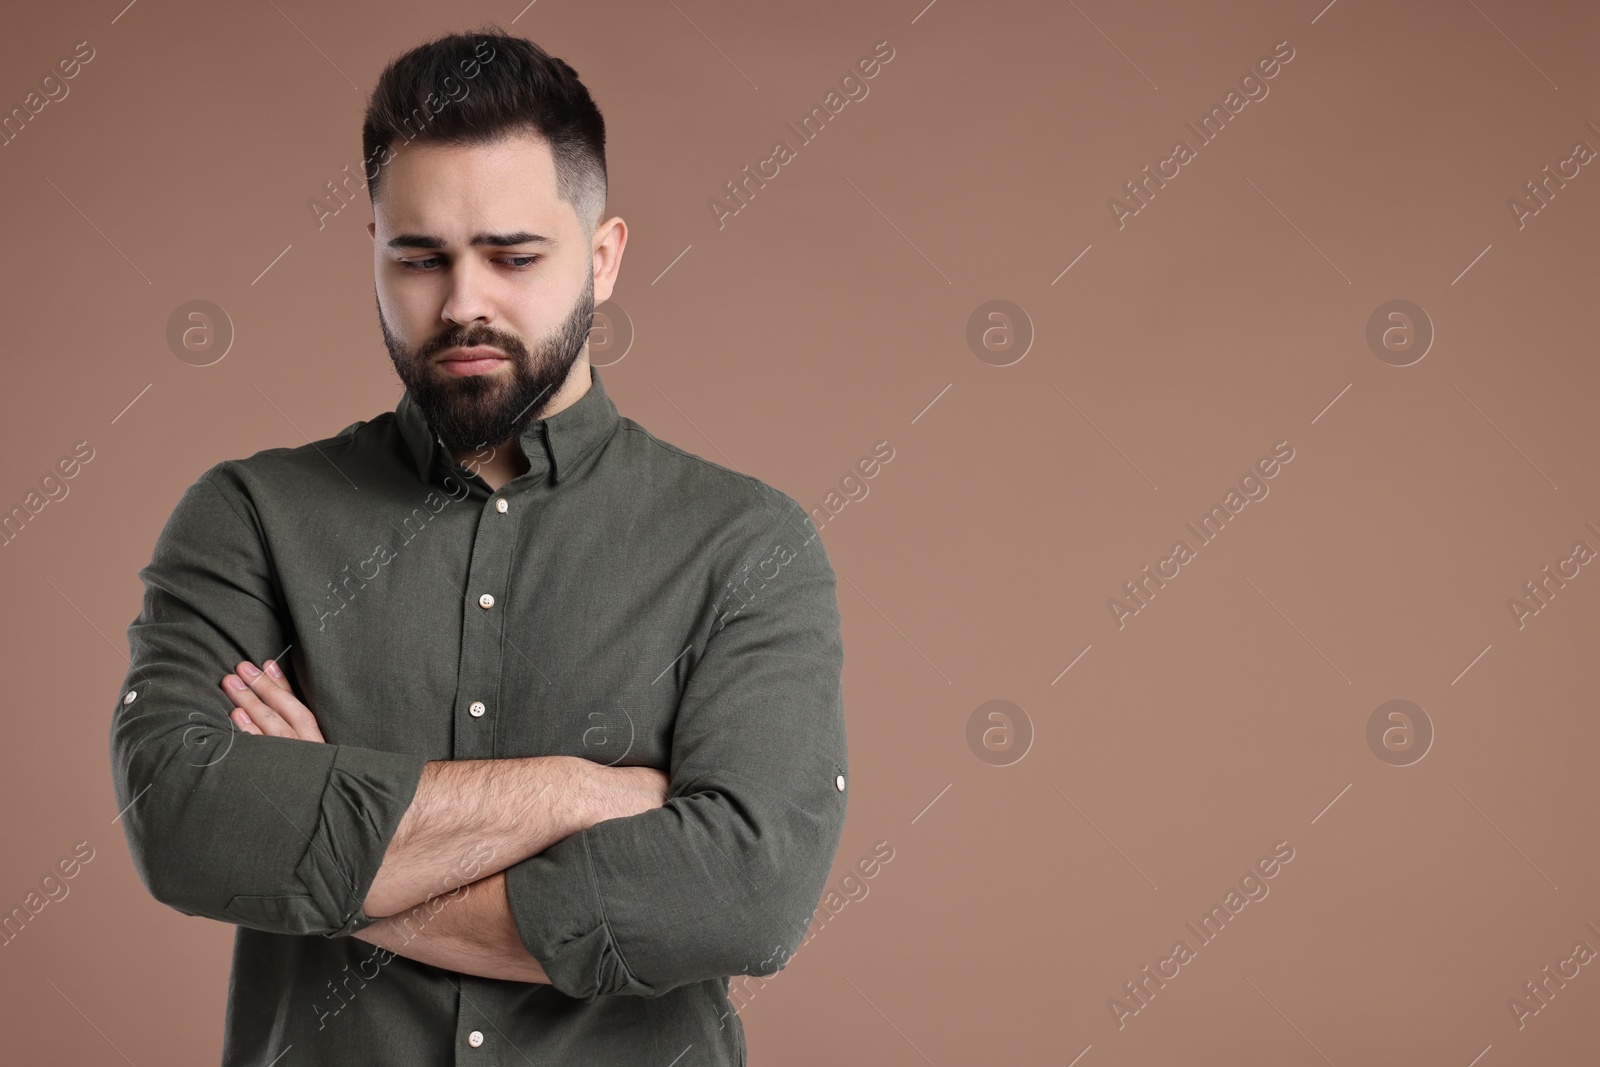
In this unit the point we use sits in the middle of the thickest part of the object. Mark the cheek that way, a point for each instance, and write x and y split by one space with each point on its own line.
536 309
411 307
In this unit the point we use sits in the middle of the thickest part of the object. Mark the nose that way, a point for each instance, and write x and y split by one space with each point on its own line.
468 298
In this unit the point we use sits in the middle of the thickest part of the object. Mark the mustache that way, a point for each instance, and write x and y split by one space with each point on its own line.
472 337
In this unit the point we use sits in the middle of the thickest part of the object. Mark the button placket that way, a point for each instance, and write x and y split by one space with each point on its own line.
486 585
486 603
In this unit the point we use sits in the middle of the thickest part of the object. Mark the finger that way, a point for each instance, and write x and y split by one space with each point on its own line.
266 720
276 694
241 719
306 722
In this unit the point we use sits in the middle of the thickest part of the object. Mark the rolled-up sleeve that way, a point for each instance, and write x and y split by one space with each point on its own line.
722 879
270 833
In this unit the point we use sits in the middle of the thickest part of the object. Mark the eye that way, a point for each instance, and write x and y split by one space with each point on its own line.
514 262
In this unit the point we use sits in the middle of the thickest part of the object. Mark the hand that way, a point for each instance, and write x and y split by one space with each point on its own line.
618 792
264 704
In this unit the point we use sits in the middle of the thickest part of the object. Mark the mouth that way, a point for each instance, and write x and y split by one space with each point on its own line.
476 360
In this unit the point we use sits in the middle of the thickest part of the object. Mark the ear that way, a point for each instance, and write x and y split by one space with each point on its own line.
609 239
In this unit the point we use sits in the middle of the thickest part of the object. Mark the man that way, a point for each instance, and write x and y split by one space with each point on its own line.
549 740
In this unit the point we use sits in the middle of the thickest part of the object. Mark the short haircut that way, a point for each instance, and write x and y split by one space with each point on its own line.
476 88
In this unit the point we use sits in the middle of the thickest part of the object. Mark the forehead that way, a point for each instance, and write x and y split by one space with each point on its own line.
446 189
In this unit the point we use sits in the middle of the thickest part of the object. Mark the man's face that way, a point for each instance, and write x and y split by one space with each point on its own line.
476 255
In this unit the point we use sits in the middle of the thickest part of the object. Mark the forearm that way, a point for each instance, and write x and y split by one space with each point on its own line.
508 808
469 930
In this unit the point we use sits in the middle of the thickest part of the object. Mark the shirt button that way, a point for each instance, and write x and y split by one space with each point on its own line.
486 601
131 697
476 709
501 506
475 1038
838 783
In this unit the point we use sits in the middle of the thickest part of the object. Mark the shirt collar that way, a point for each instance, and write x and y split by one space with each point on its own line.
553 445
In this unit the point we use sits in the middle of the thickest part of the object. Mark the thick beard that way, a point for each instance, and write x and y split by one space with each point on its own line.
478 410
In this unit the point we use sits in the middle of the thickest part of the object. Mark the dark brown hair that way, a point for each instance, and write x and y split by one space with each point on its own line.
475 88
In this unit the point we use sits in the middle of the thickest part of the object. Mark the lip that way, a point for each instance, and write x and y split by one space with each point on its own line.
466 361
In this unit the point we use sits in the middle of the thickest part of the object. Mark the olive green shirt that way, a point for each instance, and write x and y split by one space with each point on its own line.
623 601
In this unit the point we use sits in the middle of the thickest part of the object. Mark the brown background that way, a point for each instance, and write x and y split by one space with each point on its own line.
828 315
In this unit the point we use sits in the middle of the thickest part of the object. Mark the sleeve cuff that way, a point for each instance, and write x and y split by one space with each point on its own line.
366 795
555 902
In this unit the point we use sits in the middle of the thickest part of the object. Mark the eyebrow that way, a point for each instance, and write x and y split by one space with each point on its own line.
479 240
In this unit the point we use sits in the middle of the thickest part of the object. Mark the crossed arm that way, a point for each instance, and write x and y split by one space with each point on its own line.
470 931
270 829
441 890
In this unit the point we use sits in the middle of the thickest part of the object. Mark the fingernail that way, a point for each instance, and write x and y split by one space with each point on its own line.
272 669
249 671
232 682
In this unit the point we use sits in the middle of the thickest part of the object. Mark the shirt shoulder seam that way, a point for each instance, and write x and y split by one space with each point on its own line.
762 487
210 478
343 439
